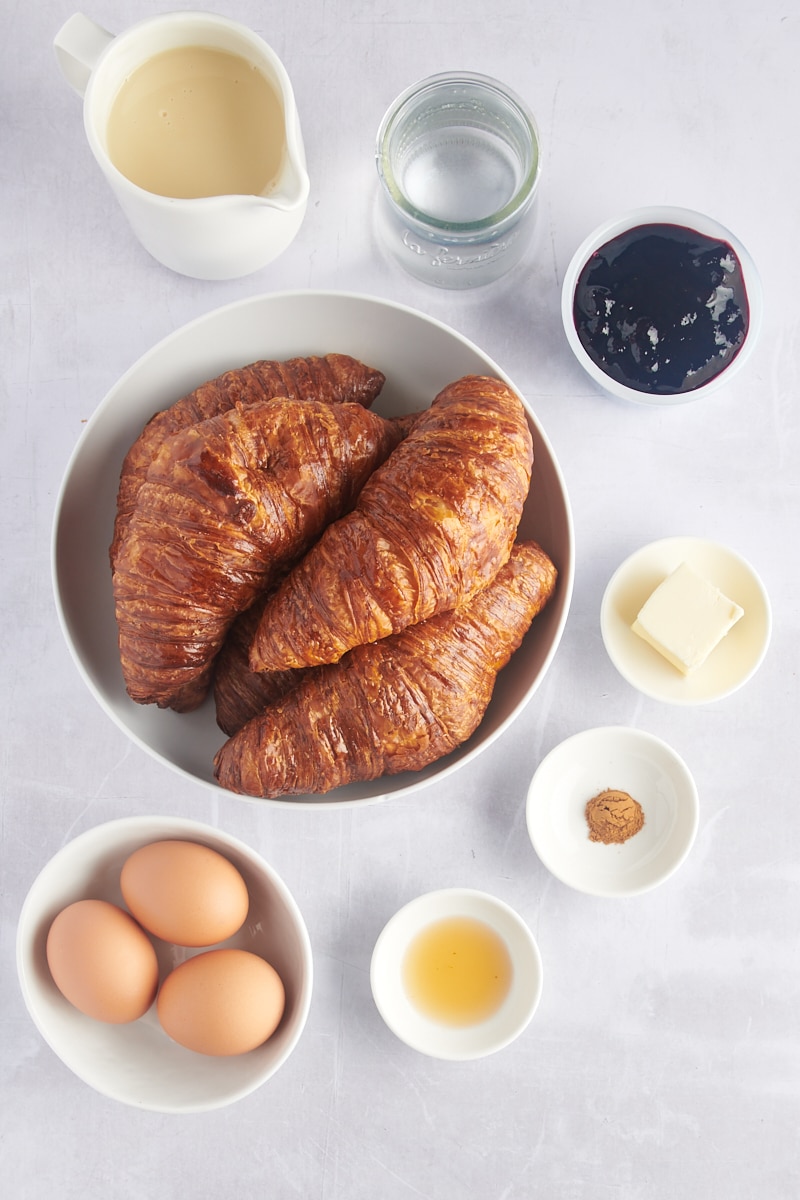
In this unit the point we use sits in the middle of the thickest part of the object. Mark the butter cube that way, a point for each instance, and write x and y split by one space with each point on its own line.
685 618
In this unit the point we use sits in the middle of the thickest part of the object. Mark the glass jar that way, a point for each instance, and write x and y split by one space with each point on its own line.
459 162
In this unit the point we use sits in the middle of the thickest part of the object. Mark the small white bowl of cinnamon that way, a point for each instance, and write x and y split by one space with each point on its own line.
612 811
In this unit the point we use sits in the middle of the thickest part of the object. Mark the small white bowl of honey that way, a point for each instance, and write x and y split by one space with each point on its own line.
456 974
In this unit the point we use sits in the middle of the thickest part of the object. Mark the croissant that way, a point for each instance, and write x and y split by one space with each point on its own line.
394 705
335 379
225 506
240 693
431 527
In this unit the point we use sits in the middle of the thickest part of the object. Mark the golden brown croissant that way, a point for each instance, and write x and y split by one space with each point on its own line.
395 705
240 693
225 506
334 379
431 527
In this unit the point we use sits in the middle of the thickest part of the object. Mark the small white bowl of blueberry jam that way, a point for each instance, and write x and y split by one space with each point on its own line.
661 305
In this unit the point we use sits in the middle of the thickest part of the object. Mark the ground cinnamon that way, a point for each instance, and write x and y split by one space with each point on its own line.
613 816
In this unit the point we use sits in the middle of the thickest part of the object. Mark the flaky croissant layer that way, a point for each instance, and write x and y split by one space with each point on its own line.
395 705
240 693
332 379
431 528
226 505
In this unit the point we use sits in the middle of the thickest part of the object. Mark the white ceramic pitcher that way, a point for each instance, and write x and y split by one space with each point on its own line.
214 237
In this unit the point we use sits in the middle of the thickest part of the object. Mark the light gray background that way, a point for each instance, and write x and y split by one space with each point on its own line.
663 1060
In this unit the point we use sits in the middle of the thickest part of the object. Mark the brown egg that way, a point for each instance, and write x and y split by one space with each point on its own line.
221 1002
102 962
184 892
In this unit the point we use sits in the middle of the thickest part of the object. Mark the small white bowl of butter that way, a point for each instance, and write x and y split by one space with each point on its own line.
685 620
456 974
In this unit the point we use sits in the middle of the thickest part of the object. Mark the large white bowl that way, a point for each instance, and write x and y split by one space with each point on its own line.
137 1063
419 356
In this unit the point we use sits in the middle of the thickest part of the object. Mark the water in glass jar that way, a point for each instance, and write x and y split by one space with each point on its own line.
459 174
458 158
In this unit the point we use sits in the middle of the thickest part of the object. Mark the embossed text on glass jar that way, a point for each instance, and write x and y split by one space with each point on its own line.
459 161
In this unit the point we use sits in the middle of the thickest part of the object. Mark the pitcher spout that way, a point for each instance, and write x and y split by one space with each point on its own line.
291 190
293 185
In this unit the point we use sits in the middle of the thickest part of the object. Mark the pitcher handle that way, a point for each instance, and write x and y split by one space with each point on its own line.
78 45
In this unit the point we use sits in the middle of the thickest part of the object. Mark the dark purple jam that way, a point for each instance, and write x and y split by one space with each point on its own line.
662 308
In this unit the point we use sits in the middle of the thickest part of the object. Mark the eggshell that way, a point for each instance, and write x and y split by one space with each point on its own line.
184 892
102 962
221 1002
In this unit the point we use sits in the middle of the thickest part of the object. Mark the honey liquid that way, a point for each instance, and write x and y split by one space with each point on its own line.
457 971
195 121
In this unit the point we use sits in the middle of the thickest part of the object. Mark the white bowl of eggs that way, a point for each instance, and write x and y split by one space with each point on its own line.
165 963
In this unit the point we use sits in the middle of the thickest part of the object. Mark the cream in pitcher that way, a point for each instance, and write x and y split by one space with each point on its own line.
193 121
